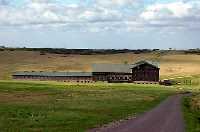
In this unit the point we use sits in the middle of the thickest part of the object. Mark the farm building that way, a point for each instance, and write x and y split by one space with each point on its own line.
83 77
145 71
112 72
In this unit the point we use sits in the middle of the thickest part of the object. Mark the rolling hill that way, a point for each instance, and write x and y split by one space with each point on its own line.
171 63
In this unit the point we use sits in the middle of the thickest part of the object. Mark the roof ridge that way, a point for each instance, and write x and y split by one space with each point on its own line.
153 63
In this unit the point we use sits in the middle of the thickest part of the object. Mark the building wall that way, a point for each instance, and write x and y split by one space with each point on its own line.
64 79
120 78
112 77
145 72
100 76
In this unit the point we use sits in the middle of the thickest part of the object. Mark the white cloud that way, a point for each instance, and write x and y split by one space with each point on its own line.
174 14
102 15
176 9
169 10
40 1
110 3
46 12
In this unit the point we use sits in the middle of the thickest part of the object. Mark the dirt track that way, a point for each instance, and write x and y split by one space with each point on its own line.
167 117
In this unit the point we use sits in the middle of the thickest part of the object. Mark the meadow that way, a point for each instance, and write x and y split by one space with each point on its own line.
191 104
49 107
172 64
191 109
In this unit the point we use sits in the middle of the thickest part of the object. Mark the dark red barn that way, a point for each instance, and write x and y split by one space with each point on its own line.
145 71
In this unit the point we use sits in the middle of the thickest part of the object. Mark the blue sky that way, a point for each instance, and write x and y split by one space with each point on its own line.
130 24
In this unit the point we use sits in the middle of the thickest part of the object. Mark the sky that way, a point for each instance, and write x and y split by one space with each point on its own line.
100 24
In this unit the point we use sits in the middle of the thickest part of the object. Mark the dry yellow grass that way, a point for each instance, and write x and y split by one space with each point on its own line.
170 64
180 65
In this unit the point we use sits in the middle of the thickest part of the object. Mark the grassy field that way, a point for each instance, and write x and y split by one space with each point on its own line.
192 113
27 106
171 64
191 104
50 106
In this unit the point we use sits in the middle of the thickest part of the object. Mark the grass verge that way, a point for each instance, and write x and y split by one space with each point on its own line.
191 109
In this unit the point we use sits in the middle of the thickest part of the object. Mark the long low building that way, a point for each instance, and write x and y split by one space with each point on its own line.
83 77
116 73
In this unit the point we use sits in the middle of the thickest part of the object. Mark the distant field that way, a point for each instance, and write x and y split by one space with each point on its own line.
26 106
172 64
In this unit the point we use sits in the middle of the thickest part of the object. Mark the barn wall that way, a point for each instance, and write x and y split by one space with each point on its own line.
54 78
145 73
100 76
112 77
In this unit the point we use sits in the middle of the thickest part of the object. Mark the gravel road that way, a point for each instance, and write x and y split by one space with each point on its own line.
167 117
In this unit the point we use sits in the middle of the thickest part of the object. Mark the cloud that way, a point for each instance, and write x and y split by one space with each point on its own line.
114 3
174 14
40 1
101 15
45 12
176 9
4 2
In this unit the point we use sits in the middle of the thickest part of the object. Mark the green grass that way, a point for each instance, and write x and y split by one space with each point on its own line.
192 116
48 107
191 104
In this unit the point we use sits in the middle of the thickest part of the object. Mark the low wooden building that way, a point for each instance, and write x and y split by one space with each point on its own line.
112 72
145 71
82 77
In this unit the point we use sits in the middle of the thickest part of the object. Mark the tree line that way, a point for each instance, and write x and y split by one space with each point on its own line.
43 51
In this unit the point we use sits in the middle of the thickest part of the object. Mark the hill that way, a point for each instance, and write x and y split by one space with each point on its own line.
172 63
